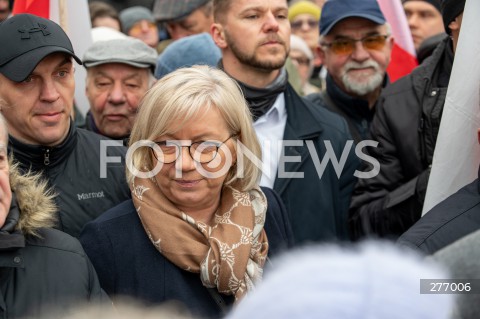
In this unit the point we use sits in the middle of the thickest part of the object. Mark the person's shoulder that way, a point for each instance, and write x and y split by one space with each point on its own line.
94 141
124 210
400 86
314 98
330 122
446 221
56 241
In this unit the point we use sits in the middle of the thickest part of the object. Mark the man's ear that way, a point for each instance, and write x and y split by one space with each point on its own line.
317 60
320 53
456 23
218 35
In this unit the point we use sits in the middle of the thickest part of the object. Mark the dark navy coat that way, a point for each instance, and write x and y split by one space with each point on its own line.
317 204
128 264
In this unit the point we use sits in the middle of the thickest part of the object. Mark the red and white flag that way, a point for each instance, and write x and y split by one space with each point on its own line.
73 16
457 154
404 58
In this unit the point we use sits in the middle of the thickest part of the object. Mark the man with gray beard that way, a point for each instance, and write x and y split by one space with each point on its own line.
355 47
406 124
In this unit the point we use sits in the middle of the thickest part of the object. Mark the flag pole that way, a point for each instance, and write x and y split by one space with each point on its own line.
63 15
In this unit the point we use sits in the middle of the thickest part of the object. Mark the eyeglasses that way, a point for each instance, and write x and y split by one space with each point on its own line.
297 25
347 45
202 152
301 60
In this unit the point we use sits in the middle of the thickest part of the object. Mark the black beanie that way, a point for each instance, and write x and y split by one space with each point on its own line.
450 10
435 3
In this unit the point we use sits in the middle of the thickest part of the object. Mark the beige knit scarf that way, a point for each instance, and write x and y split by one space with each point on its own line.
228 255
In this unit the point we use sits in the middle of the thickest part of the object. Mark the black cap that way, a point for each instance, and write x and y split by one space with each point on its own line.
26 39
451 9
435 3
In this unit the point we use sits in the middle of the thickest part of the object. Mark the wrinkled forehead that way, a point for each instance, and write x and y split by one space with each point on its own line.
355 25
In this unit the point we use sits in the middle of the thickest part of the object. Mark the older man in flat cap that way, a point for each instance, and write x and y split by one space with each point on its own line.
184 17
119 72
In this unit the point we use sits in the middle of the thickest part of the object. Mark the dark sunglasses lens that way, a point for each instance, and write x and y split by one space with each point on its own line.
374 42
343 46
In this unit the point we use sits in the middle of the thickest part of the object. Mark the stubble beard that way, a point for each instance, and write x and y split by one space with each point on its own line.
268 65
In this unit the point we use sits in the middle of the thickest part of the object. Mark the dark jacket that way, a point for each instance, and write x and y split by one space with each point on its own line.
355 111
406 125
40 268
127 263
452 219
89 125
73 169
317 206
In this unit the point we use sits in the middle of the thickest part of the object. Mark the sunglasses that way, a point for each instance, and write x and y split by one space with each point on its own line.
347 46
138 27
297 25
301 60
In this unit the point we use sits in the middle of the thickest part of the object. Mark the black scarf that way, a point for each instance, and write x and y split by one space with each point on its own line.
260 100
10 237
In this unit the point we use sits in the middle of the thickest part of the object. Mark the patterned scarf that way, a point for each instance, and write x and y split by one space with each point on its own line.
229 255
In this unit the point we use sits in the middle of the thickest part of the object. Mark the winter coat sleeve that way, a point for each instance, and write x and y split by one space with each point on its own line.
98 247
277 225
387 204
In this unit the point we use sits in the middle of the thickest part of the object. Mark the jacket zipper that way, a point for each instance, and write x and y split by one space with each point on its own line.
46 157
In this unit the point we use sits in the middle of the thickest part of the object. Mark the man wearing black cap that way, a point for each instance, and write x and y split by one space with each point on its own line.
406 126
424 19
36 99
254 36
355 47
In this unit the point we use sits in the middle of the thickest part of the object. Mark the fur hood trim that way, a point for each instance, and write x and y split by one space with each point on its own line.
35 201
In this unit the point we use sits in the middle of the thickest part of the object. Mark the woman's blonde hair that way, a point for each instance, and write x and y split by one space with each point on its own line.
181 96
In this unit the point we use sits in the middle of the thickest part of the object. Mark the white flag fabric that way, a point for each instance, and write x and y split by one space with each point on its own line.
457 153
74 17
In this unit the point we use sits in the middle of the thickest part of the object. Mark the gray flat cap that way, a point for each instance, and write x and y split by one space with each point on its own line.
129 51
168 10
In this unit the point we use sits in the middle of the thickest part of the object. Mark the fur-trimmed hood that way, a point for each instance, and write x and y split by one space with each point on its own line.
35 201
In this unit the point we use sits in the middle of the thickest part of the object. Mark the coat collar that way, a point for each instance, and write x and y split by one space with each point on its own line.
356 108
301 125
38 157
301 122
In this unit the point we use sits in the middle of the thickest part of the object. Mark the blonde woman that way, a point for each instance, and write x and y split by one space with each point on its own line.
198 228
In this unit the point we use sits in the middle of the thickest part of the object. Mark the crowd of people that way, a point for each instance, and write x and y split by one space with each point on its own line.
226 141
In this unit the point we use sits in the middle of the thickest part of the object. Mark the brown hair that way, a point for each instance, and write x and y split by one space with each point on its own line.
99 9
220 8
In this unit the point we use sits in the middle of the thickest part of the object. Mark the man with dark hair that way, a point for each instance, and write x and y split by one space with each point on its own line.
424 19
254 36
36 99
406 126
41 267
